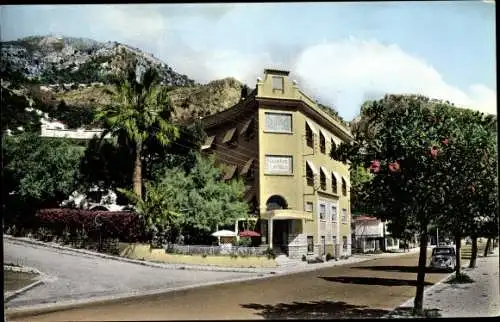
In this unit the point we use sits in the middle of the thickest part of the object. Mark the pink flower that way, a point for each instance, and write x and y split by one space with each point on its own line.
375 166
395 166
446 141
434 152
472 188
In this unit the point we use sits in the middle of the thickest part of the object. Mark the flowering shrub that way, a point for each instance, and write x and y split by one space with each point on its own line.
124 225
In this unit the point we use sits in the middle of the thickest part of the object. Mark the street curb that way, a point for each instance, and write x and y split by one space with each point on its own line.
9 296
76 304
408 303
13 294
23 240
270 270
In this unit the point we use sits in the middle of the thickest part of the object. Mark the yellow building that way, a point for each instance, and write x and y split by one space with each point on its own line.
278 140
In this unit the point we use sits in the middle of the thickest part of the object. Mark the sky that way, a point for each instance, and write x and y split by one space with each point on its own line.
341 53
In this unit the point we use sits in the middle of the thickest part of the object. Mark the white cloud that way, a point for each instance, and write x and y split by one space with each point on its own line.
345 73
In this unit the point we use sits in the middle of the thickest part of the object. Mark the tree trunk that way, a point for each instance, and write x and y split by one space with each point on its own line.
473 255
487 248
422 265
458 245
138 170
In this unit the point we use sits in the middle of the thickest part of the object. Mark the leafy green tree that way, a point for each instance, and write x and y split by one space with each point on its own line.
397 144
465 164
37 172
200 195
141 109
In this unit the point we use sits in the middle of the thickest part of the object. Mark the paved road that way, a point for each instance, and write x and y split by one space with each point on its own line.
75 277
368 289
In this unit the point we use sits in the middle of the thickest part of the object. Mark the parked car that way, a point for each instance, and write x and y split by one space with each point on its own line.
443 257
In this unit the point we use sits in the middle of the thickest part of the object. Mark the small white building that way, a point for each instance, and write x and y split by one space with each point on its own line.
370 233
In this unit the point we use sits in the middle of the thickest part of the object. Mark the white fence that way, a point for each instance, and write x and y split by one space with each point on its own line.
215 250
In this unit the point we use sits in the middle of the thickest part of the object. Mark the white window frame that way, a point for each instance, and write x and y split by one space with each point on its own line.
281 81
266 129
319 212
334 218
344 215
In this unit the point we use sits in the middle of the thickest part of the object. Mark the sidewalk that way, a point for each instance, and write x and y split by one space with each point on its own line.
299 266
478 299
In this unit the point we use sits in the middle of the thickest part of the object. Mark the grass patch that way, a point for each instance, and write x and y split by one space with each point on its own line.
16 280
460 279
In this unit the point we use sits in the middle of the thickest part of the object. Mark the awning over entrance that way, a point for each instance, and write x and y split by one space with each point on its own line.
284 214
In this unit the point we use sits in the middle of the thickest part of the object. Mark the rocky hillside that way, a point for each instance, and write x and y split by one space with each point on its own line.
67 78
52 60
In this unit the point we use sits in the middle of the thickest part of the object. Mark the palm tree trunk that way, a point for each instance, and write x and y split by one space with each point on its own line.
138 170
473 255
487 248
458 244
422 263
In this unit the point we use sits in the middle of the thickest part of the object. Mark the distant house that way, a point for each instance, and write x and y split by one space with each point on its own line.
370 233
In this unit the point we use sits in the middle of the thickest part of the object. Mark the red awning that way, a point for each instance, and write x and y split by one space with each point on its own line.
248 233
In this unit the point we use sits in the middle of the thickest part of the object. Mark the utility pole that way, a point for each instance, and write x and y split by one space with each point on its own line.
437 236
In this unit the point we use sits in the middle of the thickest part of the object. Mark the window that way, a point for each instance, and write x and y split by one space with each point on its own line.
322 143
344 187
334 184
248 170
334 213
322 178
248 129
334 146
278 122
309 206
322 212
231 137
344 216
309 175
309 136
208 143
344 243
278 84
280 165
310 244
229 172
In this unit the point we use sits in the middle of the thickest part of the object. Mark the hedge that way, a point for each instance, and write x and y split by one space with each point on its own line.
124 225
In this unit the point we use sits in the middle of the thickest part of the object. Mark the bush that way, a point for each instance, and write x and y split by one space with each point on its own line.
123 225
269 252
329 257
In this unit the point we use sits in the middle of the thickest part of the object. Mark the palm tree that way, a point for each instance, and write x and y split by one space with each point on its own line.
140 109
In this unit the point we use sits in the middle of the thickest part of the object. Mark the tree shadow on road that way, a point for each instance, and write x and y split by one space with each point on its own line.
315 310
403 269
371 281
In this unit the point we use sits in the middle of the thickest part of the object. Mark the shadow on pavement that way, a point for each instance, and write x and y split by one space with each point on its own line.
314 310
371 281
403 269
407 312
